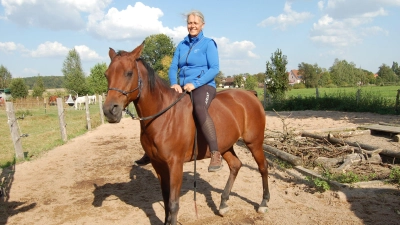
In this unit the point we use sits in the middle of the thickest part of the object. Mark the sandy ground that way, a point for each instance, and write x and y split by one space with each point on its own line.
91 180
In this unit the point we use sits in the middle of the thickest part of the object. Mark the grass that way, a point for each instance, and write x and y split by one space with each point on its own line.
41 127
383 91
376 99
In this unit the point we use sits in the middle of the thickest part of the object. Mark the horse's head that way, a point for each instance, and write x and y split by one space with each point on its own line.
124 82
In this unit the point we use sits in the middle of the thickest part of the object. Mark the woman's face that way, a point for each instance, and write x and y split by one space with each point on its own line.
194 25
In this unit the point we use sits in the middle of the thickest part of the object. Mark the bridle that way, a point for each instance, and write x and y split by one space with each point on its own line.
139 87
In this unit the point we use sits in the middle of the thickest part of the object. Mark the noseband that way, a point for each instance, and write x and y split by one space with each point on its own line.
139 87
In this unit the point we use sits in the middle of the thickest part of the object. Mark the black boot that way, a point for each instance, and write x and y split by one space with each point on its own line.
142 161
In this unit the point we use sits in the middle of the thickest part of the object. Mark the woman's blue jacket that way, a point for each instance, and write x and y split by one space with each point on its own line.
196 61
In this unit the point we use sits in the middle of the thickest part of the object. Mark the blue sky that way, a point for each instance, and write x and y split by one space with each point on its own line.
36 35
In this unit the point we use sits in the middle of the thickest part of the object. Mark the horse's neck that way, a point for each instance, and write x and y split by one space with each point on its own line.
153 102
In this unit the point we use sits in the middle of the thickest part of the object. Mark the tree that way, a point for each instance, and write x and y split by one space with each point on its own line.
344 73
386 74
219 78
18 88
96 81
165 62
158 46
74 77
325 79
238 80
5 77
277 80
251 83
310 73
260 77
38 87
396 68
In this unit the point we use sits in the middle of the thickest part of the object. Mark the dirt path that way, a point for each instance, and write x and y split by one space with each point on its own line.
90 180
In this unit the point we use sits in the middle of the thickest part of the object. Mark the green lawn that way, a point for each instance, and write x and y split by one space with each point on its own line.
383 91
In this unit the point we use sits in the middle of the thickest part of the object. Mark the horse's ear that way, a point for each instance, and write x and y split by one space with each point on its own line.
138 50
111 53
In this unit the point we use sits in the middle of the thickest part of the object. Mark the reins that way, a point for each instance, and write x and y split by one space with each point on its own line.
157 114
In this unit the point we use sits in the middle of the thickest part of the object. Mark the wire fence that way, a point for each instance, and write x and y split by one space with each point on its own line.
39 127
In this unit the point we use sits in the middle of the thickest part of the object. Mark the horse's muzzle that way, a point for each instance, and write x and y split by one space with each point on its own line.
113 112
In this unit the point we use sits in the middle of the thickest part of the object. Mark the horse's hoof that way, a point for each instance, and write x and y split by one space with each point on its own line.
262 210
223 211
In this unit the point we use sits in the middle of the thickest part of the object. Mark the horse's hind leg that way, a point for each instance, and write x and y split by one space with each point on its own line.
234 167
258 154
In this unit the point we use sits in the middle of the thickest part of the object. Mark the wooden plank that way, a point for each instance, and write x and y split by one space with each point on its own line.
383 128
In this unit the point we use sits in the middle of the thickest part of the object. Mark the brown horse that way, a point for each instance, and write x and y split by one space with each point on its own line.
53 100
168 136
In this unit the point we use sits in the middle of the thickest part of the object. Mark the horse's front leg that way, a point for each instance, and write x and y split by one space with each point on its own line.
234 167
175 174
170 178
164 178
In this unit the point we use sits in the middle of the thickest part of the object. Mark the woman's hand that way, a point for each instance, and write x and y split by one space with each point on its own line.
189 87
177 88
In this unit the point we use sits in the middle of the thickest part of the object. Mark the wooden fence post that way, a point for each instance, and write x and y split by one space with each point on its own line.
358 96
396 108
61 119
101 109
89 125
13 124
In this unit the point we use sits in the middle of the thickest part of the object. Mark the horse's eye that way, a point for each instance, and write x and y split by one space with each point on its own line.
129 73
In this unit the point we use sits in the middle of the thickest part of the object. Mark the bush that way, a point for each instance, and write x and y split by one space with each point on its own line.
299 86
395 175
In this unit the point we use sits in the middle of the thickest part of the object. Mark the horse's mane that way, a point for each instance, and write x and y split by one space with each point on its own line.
153 76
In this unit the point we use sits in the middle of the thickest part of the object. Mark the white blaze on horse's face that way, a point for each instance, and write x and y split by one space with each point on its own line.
194 25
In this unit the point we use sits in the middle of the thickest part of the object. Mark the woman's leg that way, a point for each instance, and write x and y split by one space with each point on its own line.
202 97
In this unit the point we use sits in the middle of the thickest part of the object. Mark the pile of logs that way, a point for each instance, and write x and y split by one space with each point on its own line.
359 153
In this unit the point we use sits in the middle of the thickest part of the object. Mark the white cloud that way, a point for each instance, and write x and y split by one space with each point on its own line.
234 56
374 30
328 31
345 22
50 14
87 54
289 18
49 49
321 5
11 47
135 22
237 49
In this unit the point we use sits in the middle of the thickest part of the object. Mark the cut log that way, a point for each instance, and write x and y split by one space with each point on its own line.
328 162
386 152
348 161
389 124
396 138
283 155
311 135
351 133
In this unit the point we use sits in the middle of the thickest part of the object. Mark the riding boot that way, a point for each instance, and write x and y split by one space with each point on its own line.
215 162
143 161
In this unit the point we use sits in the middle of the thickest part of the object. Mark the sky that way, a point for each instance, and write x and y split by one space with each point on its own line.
36 35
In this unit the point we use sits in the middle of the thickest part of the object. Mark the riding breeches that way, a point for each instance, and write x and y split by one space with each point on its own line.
202 97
